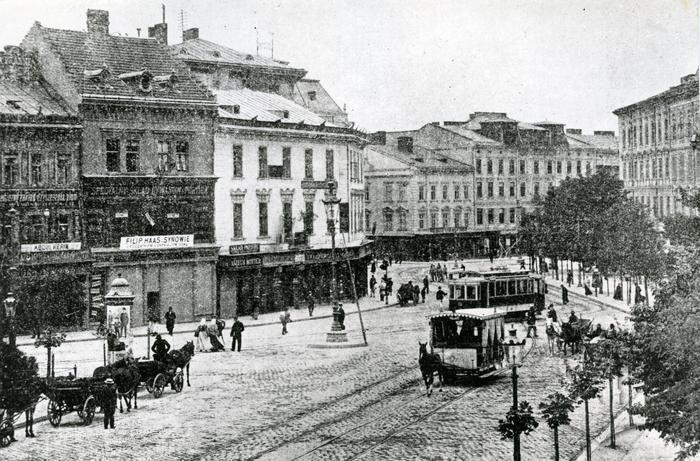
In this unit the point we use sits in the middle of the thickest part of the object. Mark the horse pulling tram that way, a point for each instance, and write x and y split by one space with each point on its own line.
68 395
497 289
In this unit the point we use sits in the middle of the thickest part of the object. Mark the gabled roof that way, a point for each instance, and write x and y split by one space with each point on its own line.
201 50
322 103
94 63
264 107
590 141
422 158
29 100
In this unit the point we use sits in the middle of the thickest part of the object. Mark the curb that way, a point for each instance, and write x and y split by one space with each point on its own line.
587 299
261 324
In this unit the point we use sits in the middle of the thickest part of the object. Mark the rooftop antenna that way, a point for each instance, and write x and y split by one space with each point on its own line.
183 20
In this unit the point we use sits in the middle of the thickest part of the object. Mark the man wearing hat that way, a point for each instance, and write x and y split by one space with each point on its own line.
109 402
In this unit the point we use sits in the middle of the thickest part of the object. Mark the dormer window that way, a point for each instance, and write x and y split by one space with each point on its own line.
145 84
166 80
249 57
285 114
13 104
216 54
143 77
183 51
312 95
236 109
97 75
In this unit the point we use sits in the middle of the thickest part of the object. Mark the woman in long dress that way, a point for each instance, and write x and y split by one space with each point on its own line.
202 336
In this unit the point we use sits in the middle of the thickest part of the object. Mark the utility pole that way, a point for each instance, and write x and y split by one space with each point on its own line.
516 437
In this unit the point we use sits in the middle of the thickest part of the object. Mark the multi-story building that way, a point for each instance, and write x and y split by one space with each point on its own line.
147 164
40 140
274 158
512 163
658 147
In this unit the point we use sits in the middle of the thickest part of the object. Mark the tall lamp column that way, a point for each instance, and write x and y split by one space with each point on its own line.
331 203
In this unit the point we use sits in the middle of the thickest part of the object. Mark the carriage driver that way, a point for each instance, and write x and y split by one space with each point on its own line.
572 317
160 349
531 321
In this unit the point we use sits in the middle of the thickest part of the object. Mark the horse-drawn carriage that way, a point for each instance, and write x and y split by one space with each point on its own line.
73 395
569 334
156 375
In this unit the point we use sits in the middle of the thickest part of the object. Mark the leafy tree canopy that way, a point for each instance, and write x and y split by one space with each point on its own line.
518 421
18 378
556 408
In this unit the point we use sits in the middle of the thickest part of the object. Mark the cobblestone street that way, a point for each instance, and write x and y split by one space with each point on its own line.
279 399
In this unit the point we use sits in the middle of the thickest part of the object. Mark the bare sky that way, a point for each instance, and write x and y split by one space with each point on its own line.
398 64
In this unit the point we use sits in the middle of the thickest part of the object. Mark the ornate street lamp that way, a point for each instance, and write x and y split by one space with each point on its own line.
9 305
331 204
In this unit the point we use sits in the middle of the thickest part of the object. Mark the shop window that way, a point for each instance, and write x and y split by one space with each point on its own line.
132 155
112 152
237 161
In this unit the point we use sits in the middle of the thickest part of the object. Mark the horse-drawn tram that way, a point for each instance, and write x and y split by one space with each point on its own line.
497 289
468 341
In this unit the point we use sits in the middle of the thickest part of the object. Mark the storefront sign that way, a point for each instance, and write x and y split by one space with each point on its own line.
130 190
54 197
44 247
156 242
275 259
244 248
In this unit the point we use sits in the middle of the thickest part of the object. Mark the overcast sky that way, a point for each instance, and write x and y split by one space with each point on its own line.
398 64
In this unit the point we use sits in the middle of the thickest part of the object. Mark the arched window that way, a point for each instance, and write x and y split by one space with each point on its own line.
388 220
403 215
457 217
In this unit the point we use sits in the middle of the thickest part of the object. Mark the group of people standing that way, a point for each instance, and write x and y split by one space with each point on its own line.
438 273
213 331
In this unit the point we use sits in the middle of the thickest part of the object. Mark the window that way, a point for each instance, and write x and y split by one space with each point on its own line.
329 164
445 192
537 189
421 219
63 228
237 161
489 189
458 218
262 219
112 152
466 218
500 166
667 164
549 167
478 166
132 155
501 216
287 219
309 217
558 166
433 219
432 192
578 167
388 191
237 220
402 193
355 166
511 189
523 169
466 192
286 162
489 166
489 215
10 169
63 168
456 191
368 220
588 168
536 167
35 175
388 220
522 189
402 219
182 155
479 216
309 164
568 167
479 190
163 156
262 162
512 216
421 192
511 166
501 190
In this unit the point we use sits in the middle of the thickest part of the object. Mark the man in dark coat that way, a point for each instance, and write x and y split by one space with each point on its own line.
423 292
531 321
108 402
341 315
416 294
426 284
160 349
572 317
236 333
564 295
618 292
170 320
311 305
373 267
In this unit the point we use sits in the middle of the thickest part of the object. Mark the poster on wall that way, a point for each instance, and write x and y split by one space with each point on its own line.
119 319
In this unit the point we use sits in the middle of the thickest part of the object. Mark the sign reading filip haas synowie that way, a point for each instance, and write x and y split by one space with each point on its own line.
156 242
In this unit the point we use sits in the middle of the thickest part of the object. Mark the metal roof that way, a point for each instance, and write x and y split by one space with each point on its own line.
28 99
264 107
199 49
479 313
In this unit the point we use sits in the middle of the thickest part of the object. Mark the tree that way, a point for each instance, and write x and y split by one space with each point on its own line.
585 385
518 421
556 409
49 341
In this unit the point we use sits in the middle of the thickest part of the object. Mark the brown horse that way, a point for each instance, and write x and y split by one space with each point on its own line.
429 364
20 400
127 379
181 358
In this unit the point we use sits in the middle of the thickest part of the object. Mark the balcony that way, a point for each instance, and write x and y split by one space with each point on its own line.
314 184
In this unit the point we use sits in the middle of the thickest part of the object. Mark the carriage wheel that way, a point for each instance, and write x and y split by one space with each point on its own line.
178 382
158 385
54 413
6 431
149 386
88 412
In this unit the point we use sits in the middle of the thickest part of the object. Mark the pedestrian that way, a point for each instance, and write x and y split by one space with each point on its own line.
372 286
491 256
237 333
569 277
551 313
618 292
416 294
564 295
440 295
124 319
638 297
170 320
212 332
108 402
285 318
341 316
423 292
220 326
373 267
444 271
432 273
311 306
572 317
426 284
382 290
522 264
531 322
586 289
201 334
160 349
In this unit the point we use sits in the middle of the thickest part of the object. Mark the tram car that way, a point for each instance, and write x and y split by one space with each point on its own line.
512 292
468 341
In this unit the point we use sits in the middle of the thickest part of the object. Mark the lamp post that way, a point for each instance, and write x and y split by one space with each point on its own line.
517 361
331 203
9 307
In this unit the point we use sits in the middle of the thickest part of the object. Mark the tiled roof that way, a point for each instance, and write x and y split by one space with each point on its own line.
203 50
322 104
421 157
470 134
267 107
592 141
33 99
82 54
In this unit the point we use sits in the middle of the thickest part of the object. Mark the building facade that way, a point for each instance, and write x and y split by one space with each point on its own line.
658 148
147 169
274 158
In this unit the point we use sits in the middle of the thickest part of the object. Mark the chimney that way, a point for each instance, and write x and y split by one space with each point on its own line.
98 22
190 34
378 138
573 131
405 144
604 133
159 32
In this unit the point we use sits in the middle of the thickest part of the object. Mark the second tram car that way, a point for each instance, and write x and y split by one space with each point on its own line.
500 289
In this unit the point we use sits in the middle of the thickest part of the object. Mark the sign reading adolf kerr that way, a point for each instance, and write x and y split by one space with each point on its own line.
156 242
46 247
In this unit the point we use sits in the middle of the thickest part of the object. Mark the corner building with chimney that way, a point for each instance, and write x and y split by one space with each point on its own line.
147 167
